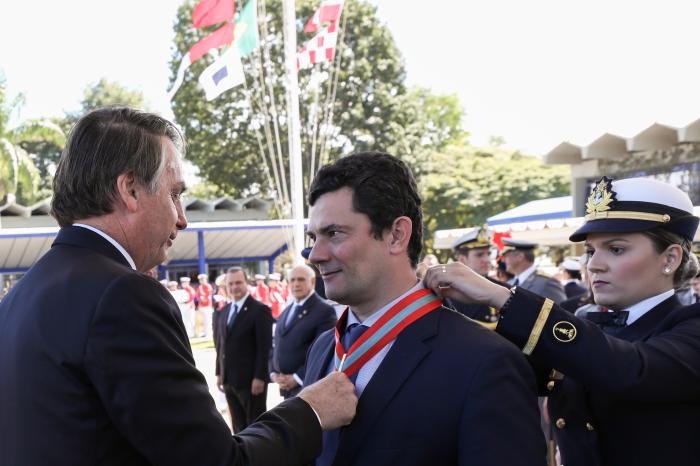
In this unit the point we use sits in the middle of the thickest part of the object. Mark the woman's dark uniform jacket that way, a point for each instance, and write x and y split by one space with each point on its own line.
629 400
96 369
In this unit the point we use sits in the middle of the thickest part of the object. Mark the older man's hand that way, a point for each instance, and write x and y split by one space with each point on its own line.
333 398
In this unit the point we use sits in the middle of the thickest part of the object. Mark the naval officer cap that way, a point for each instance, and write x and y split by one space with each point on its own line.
510 244
259 276
637 204
274 276
570 264
477 238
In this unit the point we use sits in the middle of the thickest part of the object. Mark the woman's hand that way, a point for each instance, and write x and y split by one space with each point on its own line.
459 282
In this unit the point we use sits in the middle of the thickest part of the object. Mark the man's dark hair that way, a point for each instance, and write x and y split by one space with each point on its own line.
104 144
383 188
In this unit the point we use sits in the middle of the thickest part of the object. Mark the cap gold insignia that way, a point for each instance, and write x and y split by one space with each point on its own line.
601 197
564 331
483 237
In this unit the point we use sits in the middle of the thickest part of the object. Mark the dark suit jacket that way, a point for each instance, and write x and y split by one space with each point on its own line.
545 286
242 351
573 289
96 369
292 342
449 392
630 400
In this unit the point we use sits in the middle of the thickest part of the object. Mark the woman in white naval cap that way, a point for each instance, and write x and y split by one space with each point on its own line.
624 385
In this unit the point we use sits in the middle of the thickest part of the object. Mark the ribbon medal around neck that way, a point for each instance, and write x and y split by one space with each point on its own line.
400 316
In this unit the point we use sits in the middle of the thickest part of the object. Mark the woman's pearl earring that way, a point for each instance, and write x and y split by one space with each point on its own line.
667 269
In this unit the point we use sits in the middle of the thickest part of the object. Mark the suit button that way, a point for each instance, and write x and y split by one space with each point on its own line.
561 423
589 426
550 385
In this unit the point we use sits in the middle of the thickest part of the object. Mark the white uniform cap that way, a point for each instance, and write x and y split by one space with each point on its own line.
571 264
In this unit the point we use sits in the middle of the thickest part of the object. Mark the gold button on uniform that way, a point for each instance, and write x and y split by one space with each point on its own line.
550 385
561 423
589 426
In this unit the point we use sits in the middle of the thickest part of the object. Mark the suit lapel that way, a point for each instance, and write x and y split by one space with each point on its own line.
529 282
643 327
303 312
282 320
317 371
405 355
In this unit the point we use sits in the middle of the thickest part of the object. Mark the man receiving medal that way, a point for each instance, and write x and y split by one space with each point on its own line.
433 386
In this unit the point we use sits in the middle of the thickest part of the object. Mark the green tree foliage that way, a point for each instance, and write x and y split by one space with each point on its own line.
104 93
19 176
464 185
373 109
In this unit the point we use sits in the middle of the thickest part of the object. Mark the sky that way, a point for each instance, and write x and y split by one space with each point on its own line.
535 73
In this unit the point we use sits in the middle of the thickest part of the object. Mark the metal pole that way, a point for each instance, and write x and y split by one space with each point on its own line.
294 130
201 254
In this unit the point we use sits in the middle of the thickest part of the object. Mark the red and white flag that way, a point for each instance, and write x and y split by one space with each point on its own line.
328 12
319 48
210 12
219 38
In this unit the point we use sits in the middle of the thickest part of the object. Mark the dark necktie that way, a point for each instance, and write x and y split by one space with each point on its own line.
293 314
611 322
331 438
232 315
516 282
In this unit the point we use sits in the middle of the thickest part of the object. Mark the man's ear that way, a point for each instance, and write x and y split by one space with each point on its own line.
400 234
128 191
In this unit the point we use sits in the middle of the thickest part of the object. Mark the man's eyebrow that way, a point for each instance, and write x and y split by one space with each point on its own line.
333 226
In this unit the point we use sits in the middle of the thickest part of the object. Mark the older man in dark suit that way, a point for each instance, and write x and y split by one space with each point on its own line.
95 364
243 337
298 326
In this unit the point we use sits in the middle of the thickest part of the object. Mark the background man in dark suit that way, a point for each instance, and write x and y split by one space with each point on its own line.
95 361
297 327
519 256
445 390
243 338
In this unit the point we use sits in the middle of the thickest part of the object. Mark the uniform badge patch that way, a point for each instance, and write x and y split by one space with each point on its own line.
564 331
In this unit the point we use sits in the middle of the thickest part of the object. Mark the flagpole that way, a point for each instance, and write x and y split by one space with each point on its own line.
293 129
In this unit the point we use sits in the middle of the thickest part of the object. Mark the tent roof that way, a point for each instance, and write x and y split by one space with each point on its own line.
224 242
543 209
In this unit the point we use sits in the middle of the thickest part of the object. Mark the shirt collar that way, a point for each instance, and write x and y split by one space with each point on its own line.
301 303
638 310
525 274
352 319
240 302
111 240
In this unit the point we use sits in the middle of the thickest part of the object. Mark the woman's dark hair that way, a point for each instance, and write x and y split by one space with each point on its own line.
383 188
103 145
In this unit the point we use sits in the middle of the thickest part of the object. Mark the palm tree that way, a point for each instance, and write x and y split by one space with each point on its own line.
18 173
